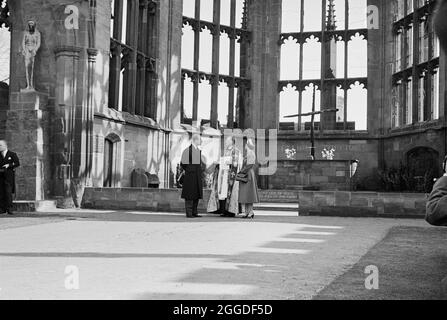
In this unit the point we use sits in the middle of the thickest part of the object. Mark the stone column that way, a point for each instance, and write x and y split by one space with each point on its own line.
261 61
67 58
264 21
82 150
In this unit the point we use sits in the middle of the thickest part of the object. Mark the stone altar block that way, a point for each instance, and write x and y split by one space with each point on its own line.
331 175
27 134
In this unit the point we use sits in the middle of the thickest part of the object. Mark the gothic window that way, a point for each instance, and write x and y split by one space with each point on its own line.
132 51
417 62
214 34
324 45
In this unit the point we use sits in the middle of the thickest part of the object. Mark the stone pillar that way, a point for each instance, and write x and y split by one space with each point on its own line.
82 150
27 132
261 63
169 20
90 115
263 57
67 58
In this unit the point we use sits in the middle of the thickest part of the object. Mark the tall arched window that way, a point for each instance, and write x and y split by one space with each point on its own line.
416 72
324 44
213 33
132 85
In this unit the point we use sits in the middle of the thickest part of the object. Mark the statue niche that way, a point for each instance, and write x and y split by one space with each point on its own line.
30 45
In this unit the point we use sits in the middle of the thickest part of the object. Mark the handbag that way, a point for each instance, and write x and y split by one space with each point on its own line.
242 177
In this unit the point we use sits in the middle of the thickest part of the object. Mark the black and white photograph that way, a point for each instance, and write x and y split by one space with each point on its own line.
223 156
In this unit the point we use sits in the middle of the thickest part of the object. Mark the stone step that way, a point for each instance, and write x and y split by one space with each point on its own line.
270 206
34 206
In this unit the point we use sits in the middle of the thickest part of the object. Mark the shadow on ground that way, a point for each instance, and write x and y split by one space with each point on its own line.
412 262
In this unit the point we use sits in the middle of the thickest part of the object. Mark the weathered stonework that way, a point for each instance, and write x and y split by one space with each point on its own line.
336 203
60 130
28 126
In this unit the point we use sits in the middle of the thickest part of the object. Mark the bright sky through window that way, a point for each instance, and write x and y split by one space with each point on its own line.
354 56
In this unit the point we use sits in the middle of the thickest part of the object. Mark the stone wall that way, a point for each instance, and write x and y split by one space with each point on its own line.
318 174
361 204
144 142
141 146
348 146
168 200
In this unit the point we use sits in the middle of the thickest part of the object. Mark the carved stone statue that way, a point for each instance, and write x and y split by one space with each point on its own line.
30 46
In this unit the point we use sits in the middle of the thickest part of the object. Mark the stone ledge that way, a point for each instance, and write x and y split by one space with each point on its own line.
34 206
327 203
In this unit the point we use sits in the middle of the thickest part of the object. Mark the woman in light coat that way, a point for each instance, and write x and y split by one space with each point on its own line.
248 191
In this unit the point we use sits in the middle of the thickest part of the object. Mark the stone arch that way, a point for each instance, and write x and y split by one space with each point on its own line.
113 137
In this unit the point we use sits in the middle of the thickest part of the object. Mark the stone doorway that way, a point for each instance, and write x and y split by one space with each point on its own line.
111 147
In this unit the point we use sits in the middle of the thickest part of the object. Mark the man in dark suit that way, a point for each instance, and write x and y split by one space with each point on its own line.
8 163
193 164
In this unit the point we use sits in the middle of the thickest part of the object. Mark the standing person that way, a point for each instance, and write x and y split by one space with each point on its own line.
8 163
248 188
225 191
193 164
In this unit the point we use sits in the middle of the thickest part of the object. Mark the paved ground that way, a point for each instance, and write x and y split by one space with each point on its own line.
135 255
411 264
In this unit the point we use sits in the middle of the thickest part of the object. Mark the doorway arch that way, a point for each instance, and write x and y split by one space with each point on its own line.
111 160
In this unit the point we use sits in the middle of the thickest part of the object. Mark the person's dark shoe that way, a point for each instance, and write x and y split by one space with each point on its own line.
10 212
228 215
190 217
197 216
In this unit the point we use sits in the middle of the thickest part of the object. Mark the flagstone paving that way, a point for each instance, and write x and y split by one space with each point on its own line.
138 255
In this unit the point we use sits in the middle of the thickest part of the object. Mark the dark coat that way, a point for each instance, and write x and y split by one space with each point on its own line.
248 191
436 211
8 175
193 164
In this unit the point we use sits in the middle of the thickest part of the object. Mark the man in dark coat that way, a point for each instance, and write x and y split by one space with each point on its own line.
436 211
193 164
8 163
